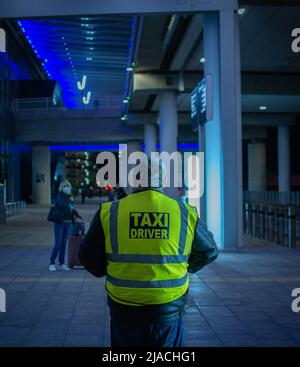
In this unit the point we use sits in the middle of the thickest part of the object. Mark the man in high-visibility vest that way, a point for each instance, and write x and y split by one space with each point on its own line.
146 244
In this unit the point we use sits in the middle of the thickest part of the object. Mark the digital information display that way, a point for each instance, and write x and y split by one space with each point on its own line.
202 102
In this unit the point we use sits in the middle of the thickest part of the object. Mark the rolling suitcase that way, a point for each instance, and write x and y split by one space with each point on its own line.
78 228
77 235
73 248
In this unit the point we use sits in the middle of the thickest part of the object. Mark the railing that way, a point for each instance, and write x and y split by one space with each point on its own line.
15 208
35 103
102 103
273 197
275 223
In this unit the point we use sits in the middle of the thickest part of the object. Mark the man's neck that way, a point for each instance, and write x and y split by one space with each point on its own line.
139 189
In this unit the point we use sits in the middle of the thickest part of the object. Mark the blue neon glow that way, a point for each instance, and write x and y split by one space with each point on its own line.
15 148
49 39
180 146
188 146
73 148
17 70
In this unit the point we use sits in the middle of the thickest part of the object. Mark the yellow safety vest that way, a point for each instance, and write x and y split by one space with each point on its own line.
148 239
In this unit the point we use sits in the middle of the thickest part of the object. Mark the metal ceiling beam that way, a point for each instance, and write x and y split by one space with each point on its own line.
190 38
55 8
252 83
270 2
249 119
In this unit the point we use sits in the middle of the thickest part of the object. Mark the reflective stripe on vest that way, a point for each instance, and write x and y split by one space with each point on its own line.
147 284
183 228
113 226
148 259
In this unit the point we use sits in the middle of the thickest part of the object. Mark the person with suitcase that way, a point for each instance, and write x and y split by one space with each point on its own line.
77 236
62 215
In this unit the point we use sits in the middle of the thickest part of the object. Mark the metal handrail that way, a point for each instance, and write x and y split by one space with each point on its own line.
272 222
273 197
103 103
15 208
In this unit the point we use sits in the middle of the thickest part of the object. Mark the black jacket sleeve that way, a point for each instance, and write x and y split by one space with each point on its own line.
204 249
92 249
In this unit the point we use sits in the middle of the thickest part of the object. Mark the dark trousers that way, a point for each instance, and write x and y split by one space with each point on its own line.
62 233
141 333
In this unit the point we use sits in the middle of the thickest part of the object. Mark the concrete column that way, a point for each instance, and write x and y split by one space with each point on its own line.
14 175
132 146
41 181
223 148
257 166
202 202
150 138
283 158
168 131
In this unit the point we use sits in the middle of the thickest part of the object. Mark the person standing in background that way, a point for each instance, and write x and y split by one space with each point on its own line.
62 227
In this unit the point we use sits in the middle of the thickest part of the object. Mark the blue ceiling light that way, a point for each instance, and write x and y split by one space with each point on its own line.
16 148
84 148
89 58
188 146
181 146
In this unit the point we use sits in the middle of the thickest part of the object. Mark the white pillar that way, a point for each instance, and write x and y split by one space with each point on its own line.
41 182
257 166
132 146
283 158
223 148
168 131
150 138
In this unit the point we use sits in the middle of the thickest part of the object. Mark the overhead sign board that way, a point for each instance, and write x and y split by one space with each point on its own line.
202 102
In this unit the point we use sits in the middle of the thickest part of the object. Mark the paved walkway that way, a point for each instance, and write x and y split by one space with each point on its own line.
243 299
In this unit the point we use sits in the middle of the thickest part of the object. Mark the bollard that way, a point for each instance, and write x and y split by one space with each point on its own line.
253 220
246 218
249 219
291 227
270 223
261 221
280 225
